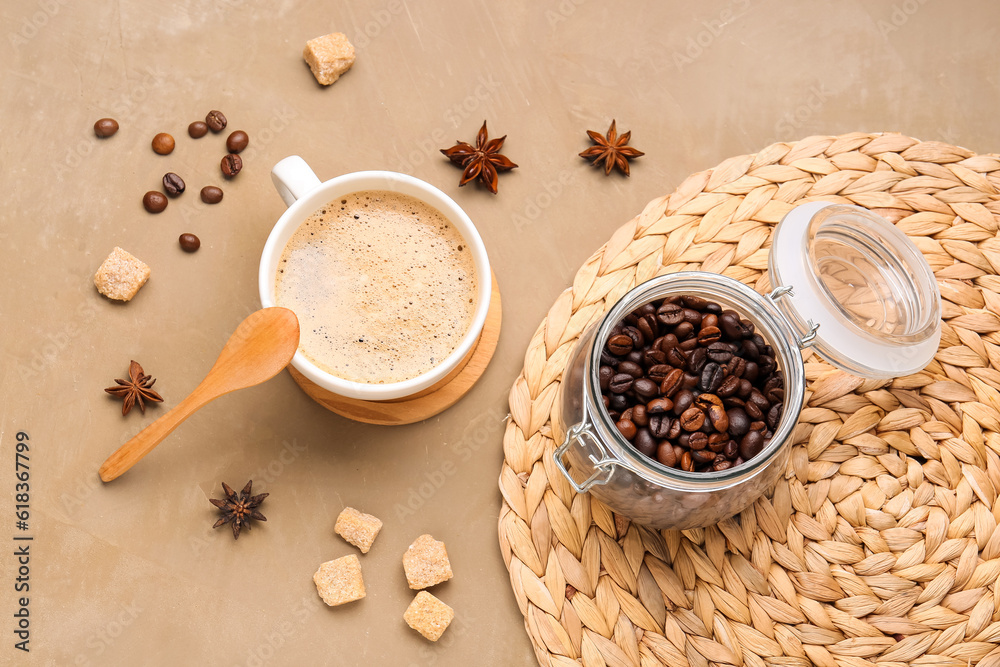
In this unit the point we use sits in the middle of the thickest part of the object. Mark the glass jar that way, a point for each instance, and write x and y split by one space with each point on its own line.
847 282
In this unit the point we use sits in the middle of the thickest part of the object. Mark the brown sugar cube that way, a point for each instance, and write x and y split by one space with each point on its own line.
358 528
339 581
428 616
426 563
329 56
121 275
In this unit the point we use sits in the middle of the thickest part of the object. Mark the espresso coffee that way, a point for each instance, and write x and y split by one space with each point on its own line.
383 285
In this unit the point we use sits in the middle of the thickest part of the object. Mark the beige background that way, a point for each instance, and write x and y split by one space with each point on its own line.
131 573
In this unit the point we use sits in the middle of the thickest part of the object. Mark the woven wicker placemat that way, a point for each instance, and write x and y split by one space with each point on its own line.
880 544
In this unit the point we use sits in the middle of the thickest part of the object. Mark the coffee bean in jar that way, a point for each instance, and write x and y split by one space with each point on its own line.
691 385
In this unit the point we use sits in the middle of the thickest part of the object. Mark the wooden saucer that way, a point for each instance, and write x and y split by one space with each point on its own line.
430 401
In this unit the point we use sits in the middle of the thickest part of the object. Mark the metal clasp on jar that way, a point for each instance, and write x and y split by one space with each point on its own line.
786 290
605 465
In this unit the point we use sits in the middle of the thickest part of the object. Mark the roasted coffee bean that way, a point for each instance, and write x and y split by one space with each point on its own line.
618 402
698 440
717 441
173 184
731 450
776 395
627 414
683 400
197 129
620 345
664 343
692 419
695 302
231 165
729 322
684 331
686 462
697 359
728 387
688 344
659 425
154 201
645 442
758 399
163 144
635 356
690 381
736 366
659 406
632 368
753 411
659 372
752 371
608 359
719 353
645 388
745 388
189 242
751 444
774 415
672 383
237 141
750 351
105 127
638 340
604 375
647 327
739 422
621 382
670 314
693 316
653 358
702 456
626 428
216 121
709 321
211 194
676 358
721 464
665 454
708 335
767 365
640 416
711 377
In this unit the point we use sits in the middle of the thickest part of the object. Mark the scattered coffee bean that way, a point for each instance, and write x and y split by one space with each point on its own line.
237 141
105 127
211 194
197 129
189 242
231 165
216 121
173 184
154 201
163 144
691 385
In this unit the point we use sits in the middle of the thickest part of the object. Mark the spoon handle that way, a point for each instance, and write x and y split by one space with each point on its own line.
143 443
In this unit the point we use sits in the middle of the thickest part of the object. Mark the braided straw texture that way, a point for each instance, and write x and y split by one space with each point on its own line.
880 544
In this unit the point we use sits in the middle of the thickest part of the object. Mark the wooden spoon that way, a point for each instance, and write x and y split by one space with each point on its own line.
262 345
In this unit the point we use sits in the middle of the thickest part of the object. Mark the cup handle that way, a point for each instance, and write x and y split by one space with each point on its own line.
293 179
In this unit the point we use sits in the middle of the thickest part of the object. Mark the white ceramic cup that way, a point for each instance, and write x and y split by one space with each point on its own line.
304 194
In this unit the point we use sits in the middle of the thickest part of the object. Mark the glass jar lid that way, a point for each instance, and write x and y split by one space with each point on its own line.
855 288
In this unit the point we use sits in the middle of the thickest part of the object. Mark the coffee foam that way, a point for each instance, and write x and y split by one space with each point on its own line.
383 285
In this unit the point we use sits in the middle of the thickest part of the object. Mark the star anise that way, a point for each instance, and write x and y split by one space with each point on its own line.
239 508
613 150
135 389
482 160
